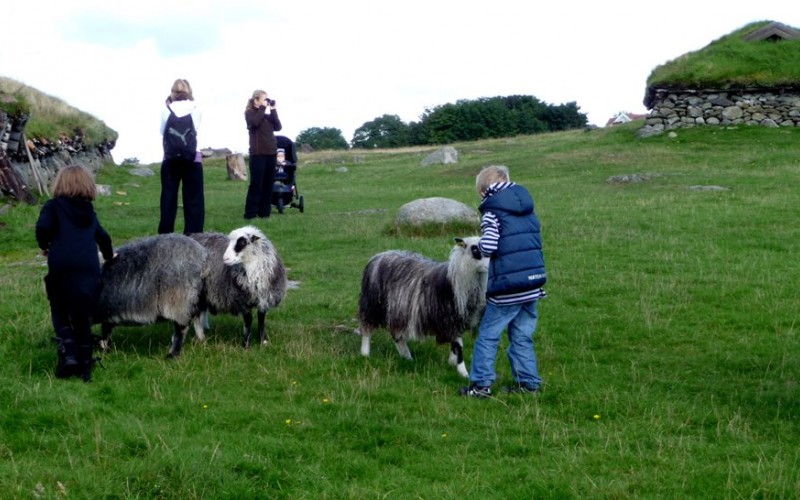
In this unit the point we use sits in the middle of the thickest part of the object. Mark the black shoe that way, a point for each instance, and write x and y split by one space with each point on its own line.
87 362
477 391
66 367
67 361
522 389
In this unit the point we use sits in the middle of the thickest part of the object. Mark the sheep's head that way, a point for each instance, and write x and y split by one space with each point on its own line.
467 251
239 240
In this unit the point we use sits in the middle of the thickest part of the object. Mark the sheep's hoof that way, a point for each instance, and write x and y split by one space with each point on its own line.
462 370
452 359
172 355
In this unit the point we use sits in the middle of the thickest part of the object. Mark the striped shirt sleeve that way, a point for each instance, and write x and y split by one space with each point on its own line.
490 234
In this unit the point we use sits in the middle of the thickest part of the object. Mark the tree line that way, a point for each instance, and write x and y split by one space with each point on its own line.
466 120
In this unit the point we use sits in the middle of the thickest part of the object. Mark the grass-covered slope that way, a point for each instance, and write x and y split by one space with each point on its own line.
732 62
669 341
50 117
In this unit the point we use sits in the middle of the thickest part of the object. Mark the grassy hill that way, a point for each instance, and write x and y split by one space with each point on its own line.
50 117
732 62
668 343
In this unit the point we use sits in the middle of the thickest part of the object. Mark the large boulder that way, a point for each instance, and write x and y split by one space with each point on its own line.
443 156
438 210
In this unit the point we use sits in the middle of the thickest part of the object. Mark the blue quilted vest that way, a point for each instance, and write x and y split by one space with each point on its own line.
518 263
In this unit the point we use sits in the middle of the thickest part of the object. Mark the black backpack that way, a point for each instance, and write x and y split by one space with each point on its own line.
180 137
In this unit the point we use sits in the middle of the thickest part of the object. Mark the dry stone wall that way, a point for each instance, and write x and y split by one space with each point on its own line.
20 179
771 108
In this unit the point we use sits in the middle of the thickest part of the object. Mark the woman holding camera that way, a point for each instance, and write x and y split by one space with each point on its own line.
262 123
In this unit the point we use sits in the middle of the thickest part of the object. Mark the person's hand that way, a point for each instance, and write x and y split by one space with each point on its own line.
44 252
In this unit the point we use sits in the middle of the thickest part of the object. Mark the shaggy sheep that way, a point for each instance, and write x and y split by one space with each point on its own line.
158 277
413 296
245 271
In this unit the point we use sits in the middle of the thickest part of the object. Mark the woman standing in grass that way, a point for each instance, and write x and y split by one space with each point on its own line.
262 123
69 233
182 162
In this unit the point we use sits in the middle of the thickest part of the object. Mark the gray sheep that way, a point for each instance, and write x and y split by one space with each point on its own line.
413 296
158 277
245 272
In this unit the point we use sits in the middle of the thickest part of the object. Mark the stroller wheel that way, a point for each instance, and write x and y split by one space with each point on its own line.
280 204
300 206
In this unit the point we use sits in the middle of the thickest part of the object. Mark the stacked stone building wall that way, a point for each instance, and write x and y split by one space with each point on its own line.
671 109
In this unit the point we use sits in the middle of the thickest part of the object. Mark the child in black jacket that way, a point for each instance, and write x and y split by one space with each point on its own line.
69 233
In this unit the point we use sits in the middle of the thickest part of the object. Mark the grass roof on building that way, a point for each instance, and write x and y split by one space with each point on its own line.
733 62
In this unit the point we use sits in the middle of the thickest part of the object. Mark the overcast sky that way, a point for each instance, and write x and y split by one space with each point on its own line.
345 62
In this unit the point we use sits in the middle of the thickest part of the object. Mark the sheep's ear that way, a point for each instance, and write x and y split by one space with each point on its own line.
460 242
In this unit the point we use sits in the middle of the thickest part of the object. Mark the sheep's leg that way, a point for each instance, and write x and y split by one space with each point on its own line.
366 335
201 323
457 357
248 323
262 329
177 340
105 335
402 348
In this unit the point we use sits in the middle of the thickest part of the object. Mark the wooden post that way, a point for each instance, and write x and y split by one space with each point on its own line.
236 167
33 161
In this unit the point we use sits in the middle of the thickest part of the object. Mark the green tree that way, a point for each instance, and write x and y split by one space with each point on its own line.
387 131
489 117
322 138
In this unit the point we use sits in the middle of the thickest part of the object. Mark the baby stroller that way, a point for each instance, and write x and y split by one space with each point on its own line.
284 189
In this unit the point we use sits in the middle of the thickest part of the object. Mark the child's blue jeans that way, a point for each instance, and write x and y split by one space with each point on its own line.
521 321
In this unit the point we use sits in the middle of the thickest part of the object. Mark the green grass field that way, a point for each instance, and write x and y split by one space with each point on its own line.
668 343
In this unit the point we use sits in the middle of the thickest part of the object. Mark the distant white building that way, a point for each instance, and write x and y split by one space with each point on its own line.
624 117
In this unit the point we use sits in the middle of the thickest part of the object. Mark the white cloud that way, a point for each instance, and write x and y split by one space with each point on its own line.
341 64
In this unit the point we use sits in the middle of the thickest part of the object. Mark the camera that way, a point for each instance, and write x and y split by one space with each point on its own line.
271 102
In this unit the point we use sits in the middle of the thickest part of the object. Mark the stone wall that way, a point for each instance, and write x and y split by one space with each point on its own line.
49 157
680 109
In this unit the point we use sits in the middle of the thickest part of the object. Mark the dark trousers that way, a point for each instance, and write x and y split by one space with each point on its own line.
259 192
173 173
72 318
71 309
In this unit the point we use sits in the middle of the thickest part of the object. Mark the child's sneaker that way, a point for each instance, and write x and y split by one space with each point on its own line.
522 389
477 391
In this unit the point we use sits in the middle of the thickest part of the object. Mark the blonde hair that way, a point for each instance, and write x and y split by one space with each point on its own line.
251 103
490 175
181 91
74 181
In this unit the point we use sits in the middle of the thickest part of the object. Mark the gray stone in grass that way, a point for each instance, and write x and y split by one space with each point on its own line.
708 188
437 210
142 172
443 156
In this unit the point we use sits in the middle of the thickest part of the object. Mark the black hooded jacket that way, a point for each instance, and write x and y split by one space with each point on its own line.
69 231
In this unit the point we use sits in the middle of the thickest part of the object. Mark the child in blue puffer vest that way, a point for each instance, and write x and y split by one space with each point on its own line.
511 238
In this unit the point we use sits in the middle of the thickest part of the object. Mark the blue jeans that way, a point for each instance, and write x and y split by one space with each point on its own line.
521 321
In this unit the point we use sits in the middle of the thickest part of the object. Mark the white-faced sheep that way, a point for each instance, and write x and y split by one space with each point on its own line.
413 296
158 277
245 272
